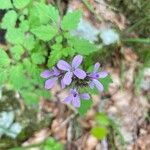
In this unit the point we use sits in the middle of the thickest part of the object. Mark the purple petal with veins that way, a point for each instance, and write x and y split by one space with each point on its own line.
85 96
96 67
50 83
91 85
46 74
79 73
98 85
63 65
77 61
76 101
103 74
68 99
68 78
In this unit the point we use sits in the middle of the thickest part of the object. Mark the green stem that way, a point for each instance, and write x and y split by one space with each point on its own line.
91 9
137 40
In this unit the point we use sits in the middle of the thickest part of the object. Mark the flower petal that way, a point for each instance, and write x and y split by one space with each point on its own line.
68 99
98 85
56 71
62 84
76 101
80 73
77 61
50 83
91 85
63 65
46 74
85 96
103 74
96 67
68 78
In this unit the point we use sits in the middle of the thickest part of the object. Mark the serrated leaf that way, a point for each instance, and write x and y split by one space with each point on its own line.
46 13
17 51
85 106
3 75
29 42
5 4
99 132
37 58
24 25
71 20
30 98
9 20
4 59
82 46
19 4
44 32
15 36
54 57
105 82
17 77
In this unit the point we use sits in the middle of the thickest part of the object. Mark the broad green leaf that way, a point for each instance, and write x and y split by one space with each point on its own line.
19 4
106 81
9 20
3 75
4 59
24 25
99 132
44 32
102 119
46 13
54 57
5 4
85 106
71 20
30 97
53 13
15 36
17 51
37 58
29 42
17 77
82 46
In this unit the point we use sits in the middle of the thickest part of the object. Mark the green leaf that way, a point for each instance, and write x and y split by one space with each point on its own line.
102 119
9 20
99 132
71 20
24 25
3 75
4 59
15 36
54 57
17 51
38 58
82 46
19 4
44 32
29 42
53 13
85 106
17 77
46 13
29 97
5 4
105 82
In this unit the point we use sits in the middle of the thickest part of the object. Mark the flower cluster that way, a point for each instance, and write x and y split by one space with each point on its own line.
72 75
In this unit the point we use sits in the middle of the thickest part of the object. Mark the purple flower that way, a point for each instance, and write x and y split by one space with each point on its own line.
75 97
53 74
72 69
95 75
